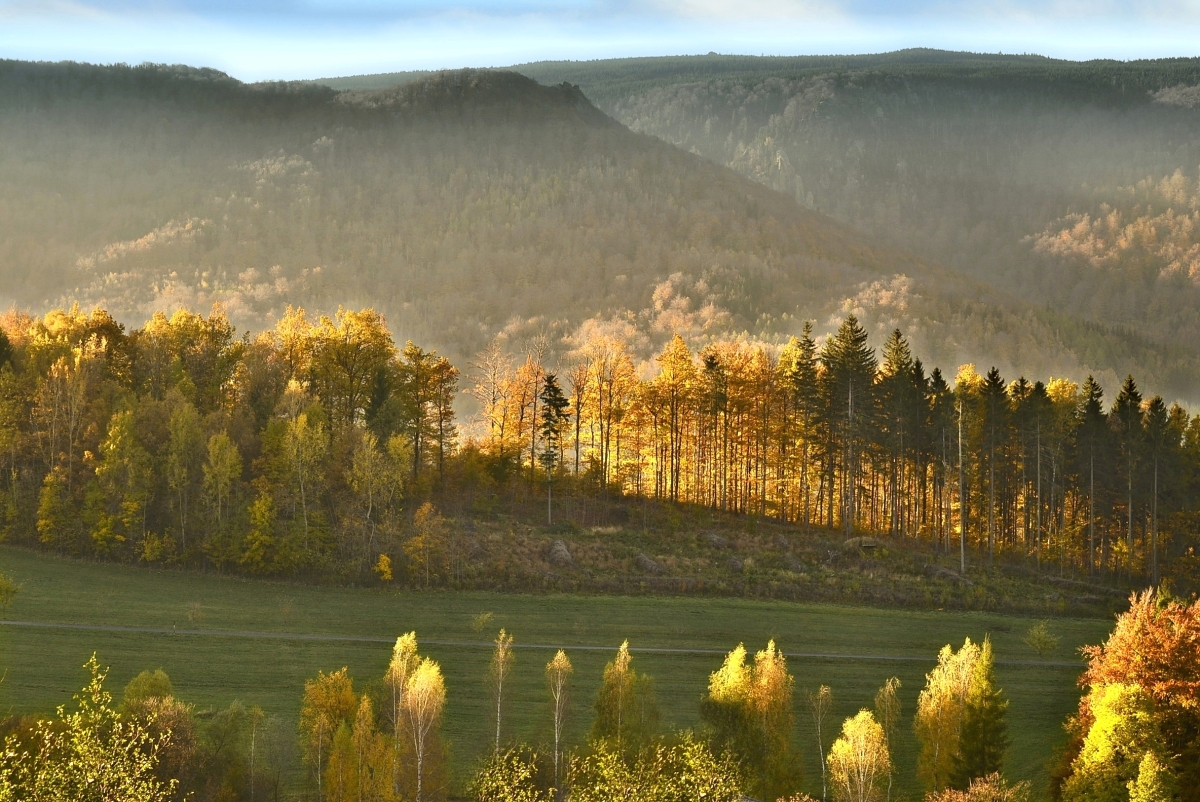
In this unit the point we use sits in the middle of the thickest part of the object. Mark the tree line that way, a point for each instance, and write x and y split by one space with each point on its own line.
1134 738
321 446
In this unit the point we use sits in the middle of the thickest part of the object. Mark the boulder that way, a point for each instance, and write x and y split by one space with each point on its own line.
941 572
647 565
861 544
714 540
560 555
735 565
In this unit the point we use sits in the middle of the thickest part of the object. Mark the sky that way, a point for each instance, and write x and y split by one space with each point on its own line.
290 39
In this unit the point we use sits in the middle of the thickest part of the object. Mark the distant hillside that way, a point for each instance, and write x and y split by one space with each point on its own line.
463 205
972 161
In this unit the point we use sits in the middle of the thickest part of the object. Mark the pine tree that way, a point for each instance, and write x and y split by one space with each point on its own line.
983 738
1092 428
849 385
1126 419
554 422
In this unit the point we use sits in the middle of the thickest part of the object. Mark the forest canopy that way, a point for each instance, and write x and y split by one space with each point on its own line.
324 447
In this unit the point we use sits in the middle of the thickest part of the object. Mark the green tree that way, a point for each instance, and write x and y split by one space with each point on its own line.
221 470
91 754
1154 783
183 461
849 401
258 550
1123 731
8 591
305 443
1092 452
124 477
555 419
748 711
1126 419
983 738
626 707
509 776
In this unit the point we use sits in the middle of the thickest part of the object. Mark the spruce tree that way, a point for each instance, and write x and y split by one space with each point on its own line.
1091 434
983 739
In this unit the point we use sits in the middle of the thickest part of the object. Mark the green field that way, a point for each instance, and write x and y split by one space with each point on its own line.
44 665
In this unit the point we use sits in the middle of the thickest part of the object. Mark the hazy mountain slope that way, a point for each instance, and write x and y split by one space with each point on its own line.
963 159
462 205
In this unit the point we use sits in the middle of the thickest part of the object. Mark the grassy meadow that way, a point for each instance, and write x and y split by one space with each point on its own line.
44 665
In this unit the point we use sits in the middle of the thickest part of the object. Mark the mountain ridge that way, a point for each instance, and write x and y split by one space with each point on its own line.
468 206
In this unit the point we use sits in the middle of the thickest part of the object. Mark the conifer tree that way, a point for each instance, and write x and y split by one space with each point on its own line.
1092 429
1126 418
849 379
554 422
983 737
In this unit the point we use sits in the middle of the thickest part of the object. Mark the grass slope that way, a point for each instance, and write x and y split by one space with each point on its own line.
43 665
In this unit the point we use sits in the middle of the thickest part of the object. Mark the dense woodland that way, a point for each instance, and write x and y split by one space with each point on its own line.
322 447
1133 739
971 161
463 206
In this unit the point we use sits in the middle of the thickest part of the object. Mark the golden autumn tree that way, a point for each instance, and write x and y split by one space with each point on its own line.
498 670
859 762
424 700
558 676
403 663
1144 684
749 712
329 703
941 707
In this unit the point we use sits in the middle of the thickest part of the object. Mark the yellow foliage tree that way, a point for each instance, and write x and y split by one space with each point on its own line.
859 763
329 702
424 699
940 710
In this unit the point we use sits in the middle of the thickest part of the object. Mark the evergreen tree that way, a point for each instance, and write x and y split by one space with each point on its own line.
554 421
1126 419
1092 428
983 738
849 379
994 408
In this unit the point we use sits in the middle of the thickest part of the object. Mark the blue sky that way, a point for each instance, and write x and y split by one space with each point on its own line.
285 39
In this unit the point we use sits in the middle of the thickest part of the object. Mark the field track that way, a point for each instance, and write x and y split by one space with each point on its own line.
221 633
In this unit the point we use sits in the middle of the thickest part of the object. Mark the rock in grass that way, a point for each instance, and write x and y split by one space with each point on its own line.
861 544
783 544
646 565
714 540
560 555
735 565
941 572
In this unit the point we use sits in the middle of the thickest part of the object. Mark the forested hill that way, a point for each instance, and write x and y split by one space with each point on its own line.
1070 184
463 205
